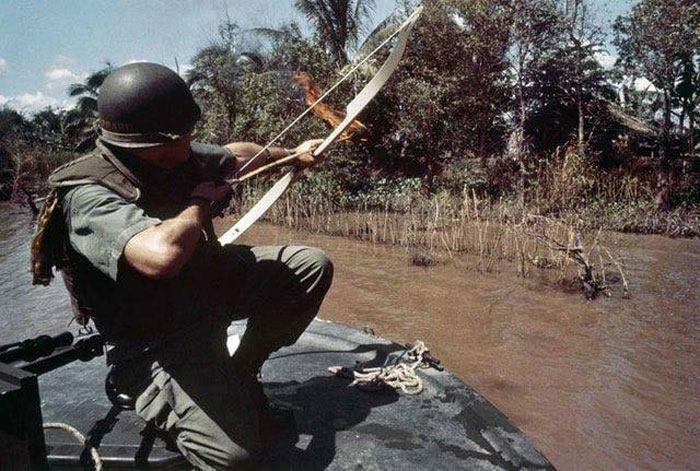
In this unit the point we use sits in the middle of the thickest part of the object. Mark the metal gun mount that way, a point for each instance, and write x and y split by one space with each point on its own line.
22 442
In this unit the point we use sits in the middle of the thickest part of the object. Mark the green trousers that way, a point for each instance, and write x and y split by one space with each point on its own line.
190 387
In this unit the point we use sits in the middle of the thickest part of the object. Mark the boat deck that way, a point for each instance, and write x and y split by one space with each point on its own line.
446 427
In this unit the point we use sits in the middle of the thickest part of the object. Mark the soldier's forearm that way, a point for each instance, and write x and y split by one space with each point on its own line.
162 250
244 151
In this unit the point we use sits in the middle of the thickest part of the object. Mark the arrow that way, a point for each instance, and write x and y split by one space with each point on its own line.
353 109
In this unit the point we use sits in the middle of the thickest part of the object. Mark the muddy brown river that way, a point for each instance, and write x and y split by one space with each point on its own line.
605 384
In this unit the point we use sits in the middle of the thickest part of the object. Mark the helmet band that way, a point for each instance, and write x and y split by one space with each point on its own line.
137 140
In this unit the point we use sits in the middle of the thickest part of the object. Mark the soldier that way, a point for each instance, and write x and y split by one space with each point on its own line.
131 233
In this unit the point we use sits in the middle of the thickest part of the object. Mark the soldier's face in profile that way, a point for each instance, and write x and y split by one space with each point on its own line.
169 155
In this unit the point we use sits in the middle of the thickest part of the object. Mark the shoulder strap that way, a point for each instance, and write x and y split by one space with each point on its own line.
42 249
100 167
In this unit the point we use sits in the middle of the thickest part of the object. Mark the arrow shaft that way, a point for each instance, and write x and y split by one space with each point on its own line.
352 110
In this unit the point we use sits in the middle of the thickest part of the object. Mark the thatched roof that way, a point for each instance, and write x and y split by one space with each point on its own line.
632 123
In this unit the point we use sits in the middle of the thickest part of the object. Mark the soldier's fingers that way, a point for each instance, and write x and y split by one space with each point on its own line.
222 191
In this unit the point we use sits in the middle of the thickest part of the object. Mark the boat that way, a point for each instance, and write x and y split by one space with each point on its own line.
337 426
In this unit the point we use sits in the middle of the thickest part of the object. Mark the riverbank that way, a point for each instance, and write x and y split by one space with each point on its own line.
608 384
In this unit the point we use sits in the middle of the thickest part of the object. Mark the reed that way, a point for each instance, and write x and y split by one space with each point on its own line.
441 226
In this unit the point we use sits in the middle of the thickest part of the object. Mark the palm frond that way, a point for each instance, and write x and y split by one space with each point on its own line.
87 106
194 76
95 80
77 89
338 24
272 34
251 61
380 33
364 10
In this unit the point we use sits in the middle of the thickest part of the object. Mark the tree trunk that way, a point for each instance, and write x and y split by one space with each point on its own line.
578 17
691 132
681 121
579 92
666 127
663 194
579 104
482 146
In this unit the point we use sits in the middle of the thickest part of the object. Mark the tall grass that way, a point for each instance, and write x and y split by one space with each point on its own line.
558 225
444 225
31 165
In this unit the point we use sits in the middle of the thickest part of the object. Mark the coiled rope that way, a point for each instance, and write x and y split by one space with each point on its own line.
401 376
96 460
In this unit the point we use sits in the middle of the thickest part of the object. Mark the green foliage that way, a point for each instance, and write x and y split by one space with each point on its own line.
473 73
498 98
337 24
446 100
553 114
30 149
656 37
79 124
657 41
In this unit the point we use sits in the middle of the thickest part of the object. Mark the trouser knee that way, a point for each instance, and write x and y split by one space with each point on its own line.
240 461
322 267
223 456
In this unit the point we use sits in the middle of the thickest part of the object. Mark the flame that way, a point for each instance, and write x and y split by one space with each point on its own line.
331 116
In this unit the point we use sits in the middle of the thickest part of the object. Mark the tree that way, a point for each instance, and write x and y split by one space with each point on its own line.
80 123
583 38
654 42
566 88
47 128
534 33
338 24
485 39
446 101
14 129
214 80
688 92
567 92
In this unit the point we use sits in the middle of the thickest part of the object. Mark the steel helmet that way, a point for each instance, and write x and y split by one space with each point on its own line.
145 105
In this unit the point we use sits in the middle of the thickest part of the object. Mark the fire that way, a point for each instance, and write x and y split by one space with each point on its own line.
331 116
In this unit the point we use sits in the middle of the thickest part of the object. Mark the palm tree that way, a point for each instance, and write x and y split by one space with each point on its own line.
47 128
338 24
80 123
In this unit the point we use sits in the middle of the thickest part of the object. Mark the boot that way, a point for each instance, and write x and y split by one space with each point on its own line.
272 416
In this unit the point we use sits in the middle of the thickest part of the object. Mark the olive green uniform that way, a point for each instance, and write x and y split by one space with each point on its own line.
170 334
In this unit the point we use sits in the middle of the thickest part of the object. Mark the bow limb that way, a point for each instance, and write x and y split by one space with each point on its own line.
259 209
353 109
372 88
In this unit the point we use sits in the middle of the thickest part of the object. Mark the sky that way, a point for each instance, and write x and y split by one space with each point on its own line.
45 45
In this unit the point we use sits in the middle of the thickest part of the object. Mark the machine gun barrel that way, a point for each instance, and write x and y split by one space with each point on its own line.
31 349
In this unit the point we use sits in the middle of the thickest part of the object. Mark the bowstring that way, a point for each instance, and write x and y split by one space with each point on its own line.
322 97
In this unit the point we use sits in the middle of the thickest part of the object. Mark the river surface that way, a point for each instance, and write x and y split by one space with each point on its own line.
607 384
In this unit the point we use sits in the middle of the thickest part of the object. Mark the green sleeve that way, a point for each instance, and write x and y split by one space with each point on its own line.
100 223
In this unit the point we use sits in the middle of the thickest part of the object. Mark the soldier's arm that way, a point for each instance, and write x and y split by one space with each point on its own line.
162 250
111 232
244 151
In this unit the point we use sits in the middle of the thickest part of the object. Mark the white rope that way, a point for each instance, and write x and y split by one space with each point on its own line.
96 460
400 376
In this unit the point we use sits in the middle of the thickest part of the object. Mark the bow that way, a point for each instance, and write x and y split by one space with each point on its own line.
353 109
